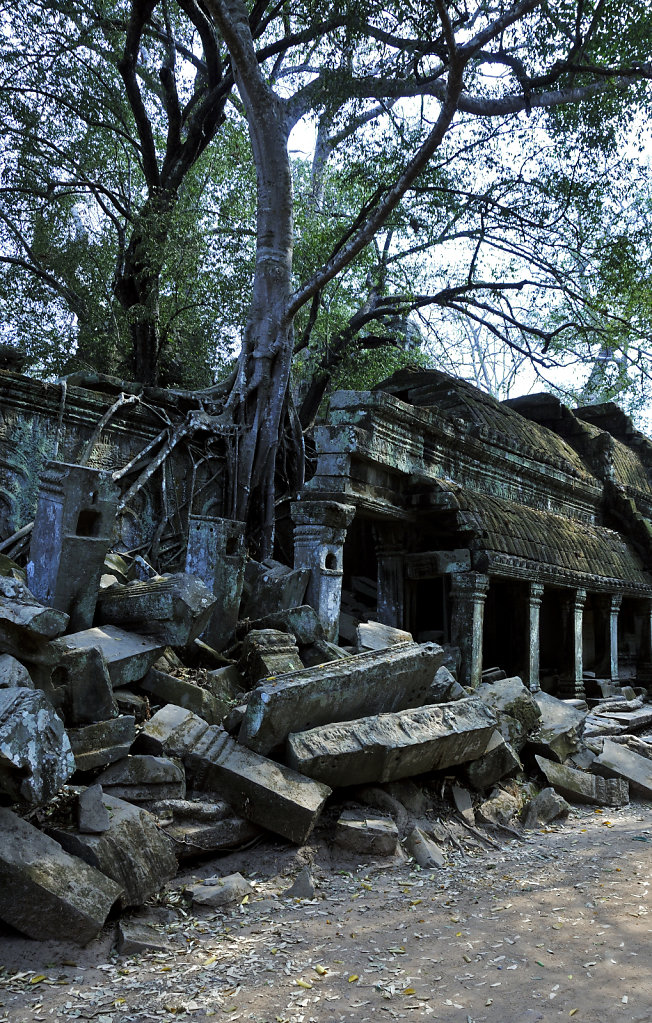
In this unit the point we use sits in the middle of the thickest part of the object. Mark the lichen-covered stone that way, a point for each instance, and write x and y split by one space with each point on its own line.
36 758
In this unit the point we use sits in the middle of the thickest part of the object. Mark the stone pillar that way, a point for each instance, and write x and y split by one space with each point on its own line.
73 530
216 554
572 682
319 534
535 596
390 551
615 602
468 593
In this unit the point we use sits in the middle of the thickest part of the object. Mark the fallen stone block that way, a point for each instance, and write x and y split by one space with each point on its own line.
36 758
376 636
267 793
144 778
13 674
463 803
595 726
193 839
559 731
270 587
133 852
182 693
46 893
174 609
369 683
216 553
134 704
390 746
500 809
618 761
633 720
268 652
301 622
499 760
129 656
580 787
515 707
303 886
78 683
25 624
102 743
92 814
220 891
424 850
139 936
366 836
234 718
445 688
547 806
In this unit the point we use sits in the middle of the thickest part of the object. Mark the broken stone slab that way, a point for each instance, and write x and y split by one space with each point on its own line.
139 779
25 624
182 693
595 726
92 814
45 892
445 688
220 891
133 852
366 836
128 655
500 809
547 806
36 758
515 707
174 609
140 936
132 704
193 839
390 746
102 743
618 761
499 760
270 587
633 720
579 787
424 850
369 683
376 636
301 622
267 653
267 793
77 682
303 886
560 728
13 674
463 803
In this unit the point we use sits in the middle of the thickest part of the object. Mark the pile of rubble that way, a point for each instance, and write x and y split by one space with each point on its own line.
124 750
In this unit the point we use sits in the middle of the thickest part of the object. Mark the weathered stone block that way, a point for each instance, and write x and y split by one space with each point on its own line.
25 624
45 893
195 838
270 587
498 761
424 850
35 754
13 674
134 852
560 728
216 554
172 730
140 779
580 787
547 806
92 814
369 683
366 836
136 936
390 746
172 608
182 693
102 743
376 636
514 706
128 655
78 683
220 891
618 761
267 653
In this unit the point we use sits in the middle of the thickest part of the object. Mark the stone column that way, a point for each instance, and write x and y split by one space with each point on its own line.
615 602
572 683
390 551
468 593
535 596
216 553
319 534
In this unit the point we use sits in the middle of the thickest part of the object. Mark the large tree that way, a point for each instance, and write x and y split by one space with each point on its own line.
477 130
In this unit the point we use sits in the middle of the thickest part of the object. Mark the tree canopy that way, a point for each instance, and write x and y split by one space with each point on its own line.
463 160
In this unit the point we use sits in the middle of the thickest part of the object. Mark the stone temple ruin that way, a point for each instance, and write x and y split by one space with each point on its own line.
463 593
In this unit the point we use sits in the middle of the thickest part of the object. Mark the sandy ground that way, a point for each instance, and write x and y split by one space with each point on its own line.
556 926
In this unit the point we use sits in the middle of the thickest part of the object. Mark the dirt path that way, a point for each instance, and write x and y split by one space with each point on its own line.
555 927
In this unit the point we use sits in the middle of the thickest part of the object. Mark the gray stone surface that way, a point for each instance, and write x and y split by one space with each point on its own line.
390 746
499 760
560 729
13 674
128 655
77 682
92 814
301 622
580 787
270 587
166 688
216 553
463 803
142 778
303 886
267 653
376 636
424 850
515 707
139 936
195 838
102 743
618 761
445 687
220 891
500 809
369 683
46 893
35 754
366 836
174 609
547 806
133 852
172 730
25 624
